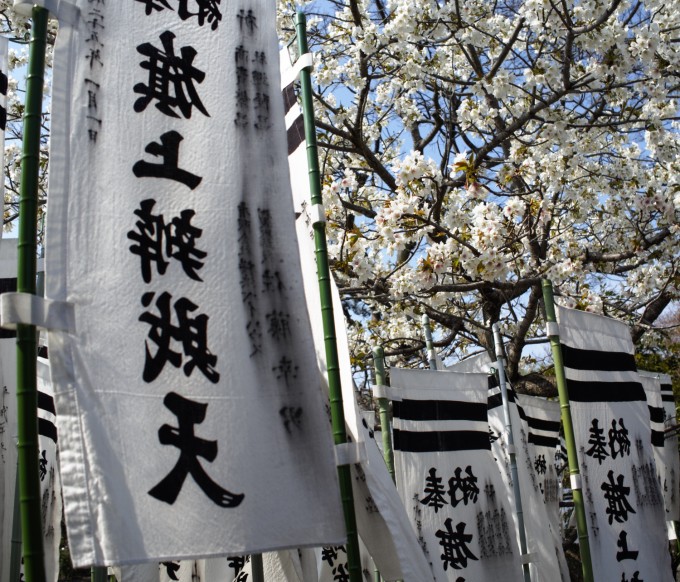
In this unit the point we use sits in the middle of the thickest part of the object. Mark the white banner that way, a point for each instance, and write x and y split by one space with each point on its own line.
187 392
543 419
381 518
8 410
671 450
547 561
664 456
50 479
544 542
4 86
623 501
447 478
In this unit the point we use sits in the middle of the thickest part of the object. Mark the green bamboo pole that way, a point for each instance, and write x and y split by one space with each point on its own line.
574 474
257 567
383 410
15 554
330 342
428 342
27 395
99 574
510 439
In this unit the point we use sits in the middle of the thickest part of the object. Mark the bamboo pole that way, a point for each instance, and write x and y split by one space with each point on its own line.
574 474
257 568
27 348
15 553
330 341
510 439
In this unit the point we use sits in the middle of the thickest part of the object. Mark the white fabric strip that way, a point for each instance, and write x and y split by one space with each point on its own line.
63 11
16 308
317 213
382 391
350 453
552 328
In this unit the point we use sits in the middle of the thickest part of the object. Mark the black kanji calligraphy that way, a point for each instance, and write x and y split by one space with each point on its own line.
616 494
247 21
149 241
455 546
597 442
157 5
278 325
180 238
190 332
156 242
625 553
236 563
434 491
285 370
171 569
189 413
330 554
619 443
340 573
208 11
292 417
171 79
466 487
42 465
168 151
540 465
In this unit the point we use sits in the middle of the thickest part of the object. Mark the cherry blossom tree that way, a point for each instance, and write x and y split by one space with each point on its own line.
17 30
471 149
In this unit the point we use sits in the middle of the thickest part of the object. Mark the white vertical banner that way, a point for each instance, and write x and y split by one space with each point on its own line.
547 562
623 501
672 488
48 471
543 420
8 410
187 387
663 456
382 522
447 478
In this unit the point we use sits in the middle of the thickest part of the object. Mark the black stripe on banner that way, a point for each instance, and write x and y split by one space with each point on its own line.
439 410
543 441
296 134
667 388
657 439
47 429
656 414
497 400
46 403
547 425
667 398
289 97
605 391
598 361
432 442
8 286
